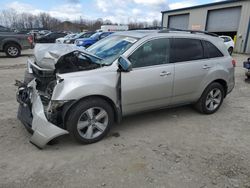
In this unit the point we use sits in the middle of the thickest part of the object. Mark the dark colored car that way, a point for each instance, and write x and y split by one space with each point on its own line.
50 37
91 40
12 43
79 36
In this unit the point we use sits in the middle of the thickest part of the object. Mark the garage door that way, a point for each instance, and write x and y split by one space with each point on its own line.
178 21
223 20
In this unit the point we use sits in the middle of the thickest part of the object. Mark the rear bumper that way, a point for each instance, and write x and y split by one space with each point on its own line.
35 120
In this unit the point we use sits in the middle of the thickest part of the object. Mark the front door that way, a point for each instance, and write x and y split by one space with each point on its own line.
149 85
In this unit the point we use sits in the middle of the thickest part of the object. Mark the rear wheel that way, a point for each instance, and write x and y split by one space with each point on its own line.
12 50
90 120
230 50
211 99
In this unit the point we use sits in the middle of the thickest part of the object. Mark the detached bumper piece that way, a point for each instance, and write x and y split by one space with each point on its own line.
43 130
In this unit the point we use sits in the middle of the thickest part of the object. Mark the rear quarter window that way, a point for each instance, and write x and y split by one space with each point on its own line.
210 50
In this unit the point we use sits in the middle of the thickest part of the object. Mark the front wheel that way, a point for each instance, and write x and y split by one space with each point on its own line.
12 50
90 120
211 99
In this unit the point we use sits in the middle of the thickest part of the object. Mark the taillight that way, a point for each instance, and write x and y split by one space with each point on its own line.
30 39
234 63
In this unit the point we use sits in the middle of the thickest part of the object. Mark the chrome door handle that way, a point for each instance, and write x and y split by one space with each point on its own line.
206 67
164 73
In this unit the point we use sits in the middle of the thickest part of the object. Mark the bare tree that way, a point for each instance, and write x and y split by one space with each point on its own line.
10 18
156 23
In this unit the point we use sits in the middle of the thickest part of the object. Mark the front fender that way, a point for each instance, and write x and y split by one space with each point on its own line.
75 88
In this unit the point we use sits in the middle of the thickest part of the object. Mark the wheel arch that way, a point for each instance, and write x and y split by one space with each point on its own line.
11 42
223 83
67 107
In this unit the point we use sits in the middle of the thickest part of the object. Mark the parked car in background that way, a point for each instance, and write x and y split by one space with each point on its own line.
229 42
5 29
50 37
67 37
43 32
86 42
113 28
12 43
79 36
83 92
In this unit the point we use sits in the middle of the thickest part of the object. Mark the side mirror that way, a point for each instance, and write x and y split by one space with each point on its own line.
124 64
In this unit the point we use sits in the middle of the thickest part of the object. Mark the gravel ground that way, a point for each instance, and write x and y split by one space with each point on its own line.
168 148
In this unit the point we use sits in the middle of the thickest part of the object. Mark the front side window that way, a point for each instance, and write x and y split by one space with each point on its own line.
183 49
155 52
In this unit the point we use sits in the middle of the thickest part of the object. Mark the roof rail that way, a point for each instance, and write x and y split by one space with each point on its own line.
147 28
167 30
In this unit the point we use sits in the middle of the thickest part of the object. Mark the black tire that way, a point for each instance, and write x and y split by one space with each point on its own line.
76 112
16 52
230 50
201 104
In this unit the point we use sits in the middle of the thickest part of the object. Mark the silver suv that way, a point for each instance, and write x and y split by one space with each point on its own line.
83 92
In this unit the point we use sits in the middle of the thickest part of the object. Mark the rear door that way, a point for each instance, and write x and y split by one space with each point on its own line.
191 68
149 85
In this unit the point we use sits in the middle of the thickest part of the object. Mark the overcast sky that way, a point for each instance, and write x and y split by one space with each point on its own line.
120 11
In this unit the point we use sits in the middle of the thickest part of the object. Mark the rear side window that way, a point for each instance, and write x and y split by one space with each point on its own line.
183 49
210 50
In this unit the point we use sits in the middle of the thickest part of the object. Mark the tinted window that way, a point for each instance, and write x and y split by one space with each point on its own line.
211 50
154 52
185 50
87 35
61 34
104 35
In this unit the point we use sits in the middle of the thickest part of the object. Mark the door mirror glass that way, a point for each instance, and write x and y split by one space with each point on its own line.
124 64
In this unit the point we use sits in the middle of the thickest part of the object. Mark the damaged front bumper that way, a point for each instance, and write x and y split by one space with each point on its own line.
31 114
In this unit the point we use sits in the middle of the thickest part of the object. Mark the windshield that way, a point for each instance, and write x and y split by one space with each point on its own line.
69 36
110 48
78 35
48 34
95 36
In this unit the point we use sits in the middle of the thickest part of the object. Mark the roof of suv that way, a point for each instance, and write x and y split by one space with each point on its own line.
137 33
185 33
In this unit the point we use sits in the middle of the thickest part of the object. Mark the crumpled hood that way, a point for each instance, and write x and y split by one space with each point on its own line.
47 55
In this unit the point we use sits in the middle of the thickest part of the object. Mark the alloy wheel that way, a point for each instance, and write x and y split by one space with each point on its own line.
13 51
92 123
213 99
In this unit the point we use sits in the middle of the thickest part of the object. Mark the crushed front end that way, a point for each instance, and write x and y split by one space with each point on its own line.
41 115
37 113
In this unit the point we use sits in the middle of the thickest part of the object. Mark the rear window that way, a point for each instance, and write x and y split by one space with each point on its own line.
183 49
210 50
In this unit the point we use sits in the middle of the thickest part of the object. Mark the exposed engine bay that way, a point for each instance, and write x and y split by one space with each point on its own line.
48 61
